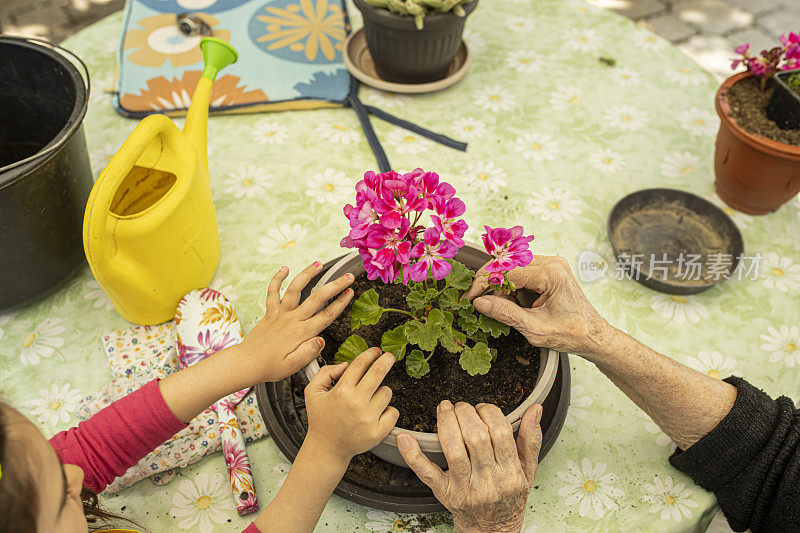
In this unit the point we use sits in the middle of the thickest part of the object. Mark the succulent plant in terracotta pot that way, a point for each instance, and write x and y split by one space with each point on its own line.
414 41
757 163
411 274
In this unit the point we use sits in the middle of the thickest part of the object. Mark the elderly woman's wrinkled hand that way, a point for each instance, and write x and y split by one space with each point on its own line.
560 317
489 474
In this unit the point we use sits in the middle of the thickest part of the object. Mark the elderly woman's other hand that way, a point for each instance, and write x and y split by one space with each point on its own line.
489 474
560 318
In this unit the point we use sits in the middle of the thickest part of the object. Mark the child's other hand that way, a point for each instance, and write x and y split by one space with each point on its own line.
354 415
285 340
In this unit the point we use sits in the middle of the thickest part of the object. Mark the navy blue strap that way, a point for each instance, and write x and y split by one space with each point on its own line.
369 132
410 126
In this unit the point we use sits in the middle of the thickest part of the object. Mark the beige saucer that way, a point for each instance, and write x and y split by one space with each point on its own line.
359 63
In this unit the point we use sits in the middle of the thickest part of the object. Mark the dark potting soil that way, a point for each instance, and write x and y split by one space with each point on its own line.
508 383
749 109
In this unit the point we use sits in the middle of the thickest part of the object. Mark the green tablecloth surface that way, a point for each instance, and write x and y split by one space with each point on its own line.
556 138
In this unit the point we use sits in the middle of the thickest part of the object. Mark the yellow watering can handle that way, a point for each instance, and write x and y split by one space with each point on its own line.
98 207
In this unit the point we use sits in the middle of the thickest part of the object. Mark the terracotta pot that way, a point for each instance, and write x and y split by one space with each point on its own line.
755 175
474 257
404 54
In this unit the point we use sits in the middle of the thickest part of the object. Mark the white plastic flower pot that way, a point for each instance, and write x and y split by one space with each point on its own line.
474 257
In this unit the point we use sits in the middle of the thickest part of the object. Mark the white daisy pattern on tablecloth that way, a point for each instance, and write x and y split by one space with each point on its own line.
42 342
578 401
485 177
223 288
4 319
469 128
100 155
202 502
714 364
532 528
248 182
494 98
607 161
329 187
338 133
389 521
685 76
270 133
406 142
740 219
388 99
678 309
555 205
627 77
590 487
519 24
284 238
55 405
626 117
94 292
671 500
581 40
783 344
565 97
524 61
779 273
679 164
651 427
537 146
648 41
283 470
698 121
475 41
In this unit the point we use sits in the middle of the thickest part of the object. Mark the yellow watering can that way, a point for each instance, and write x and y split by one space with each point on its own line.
150 230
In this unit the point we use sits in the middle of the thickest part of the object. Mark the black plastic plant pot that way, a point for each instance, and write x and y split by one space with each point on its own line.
404 54
784 104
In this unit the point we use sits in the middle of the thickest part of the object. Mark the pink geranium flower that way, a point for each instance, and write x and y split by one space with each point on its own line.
380 263
432 255
447 222
508 246
382 237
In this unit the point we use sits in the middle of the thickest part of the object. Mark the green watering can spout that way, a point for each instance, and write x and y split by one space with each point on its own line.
217 55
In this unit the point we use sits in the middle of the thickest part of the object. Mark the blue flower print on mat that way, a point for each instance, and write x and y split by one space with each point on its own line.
206 6
304 31
324 84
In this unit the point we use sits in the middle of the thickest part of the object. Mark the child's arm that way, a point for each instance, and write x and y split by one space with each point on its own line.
347 419
282 343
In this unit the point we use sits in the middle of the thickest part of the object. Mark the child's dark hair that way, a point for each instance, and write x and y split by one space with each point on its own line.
17 506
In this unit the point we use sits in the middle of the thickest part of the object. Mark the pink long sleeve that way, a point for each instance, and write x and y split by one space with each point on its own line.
252 529
118 437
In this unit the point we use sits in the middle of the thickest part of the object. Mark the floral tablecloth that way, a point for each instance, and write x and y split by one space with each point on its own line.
556 137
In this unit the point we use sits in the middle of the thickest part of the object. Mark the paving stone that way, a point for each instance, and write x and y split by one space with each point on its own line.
787 18
633 9
669 26
712 52
758 6
758 39
713 16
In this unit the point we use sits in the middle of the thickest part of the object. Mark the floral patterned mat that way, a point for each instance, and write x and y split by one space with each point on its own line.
556 137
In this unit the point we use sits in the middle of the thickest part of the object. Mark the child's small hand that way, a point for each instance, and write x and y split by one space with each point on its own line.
354 415
285 340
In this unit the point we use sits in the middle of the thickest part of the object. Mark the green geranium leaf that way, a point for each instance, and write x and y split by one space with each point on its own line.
460 277
395 341
352 347
423 334
451 299
448 340
418 300
444 319
469 323
416 365
476 360
492 326
366 310
466 308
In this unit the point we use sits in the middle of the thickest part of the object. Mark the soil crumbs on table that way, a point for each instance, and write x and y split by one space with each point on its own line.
508 383
749 109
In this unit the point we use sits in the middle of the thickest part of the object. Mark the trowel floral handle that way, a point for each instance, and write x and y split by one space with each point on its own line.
236 458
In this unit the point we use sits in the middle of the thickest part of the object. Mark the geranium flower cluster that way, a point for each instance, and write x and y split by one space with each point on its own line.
388 228
387 225
768 62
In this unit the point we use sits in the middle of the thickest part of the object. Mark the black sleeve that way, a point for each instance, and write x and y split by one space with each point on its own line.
751 462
